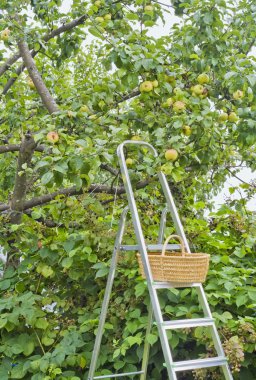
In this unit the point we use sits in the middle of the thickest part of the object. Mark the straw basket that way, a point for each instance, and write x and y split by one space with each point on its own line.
176 266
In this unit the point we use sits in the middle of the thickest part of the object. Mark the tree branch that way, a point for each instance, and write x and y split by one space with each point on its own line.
10 61
54 33
106 167
43 91
16 148
19 193
64 28
95 188
240 179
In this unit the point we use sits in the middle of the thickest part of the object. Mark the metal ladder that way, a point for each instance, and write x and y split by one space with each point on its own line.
155 310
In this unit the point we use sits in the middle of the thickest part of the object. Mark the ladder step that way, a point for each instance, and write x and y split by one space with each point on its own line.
184 323
169 285
150 247
118 375
199 363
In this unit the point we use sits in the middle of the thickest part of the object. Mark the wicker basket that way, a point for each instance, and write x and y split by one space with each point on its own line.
177 266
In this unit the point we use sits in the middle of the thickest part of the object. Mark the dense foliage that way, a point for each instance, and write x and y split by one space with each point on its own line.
76 79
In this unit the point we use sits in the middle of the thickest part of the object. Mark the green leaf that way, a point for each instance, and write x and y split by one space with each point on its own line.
3 322
41 323
152 339
67 262
28 348
46 178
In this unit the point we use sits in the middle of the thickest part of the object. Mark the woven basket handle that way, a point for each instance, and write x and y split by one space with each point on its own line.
174 237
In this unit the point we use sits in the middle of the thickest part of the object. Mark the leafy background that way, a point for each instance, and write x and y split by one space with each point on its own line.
60 203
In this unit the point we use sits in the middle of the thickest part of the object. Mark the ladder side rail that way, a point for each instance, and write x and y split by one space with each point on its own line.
173 210
143 250
199 288
107 294
150 310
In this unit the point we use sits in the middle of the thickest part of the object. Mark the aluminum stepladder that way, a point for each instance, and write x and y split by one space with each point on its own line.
155 310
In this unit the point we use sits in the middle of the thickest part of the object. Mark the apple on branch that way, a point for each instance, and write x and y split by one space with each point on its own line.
232 117
52 137
171 154
129 161
186 130
146 86
198 89
238 94
179 106
203 78
5 34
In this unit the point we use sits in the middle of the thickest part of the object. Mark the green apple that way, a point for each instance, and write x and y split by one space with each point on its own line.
203 78
232 117
146 86
136 138
155 83
169 102
52 137
99 19
177 91
171 155
179 106
238 94
108 17
198 89
129 161
85 108
186 130
31 84
170 79
148 8
223 117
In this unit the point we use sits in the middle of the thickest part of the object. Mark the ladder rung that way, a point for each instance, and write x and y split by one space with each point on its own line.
199 363
118 375
150 247
169 285
184 323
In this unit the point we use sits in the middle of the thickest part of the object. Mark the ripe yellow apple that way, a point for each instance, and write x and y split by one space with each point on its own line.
85 108
203 78
52 137
223 117
198 89
129 161
187 130
238 94
155 83
108 17
146 86
5 34
148 8
179 106
171 155
99 19
232 117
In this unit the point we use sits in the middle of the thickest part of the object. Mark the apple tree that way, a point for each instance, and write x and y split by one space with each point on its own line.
76 79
